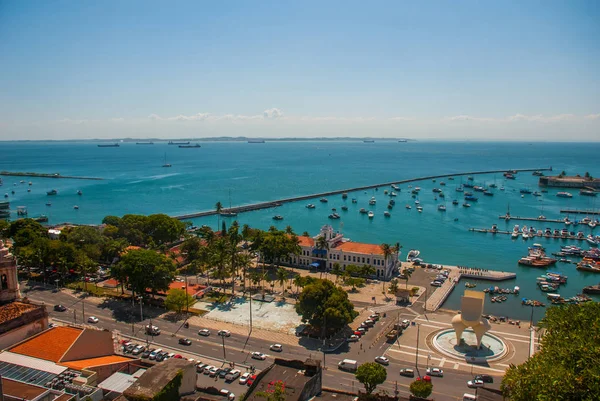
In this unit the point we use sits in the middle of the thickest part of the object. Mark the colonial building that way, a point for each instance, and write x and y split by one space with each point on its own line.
344 252
9 283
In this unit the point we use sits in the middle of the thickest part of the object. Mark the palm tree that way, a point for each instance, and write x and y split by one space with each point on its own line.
407 274
387 251
323 245
218 208
299 282
289 230
282 276
337 270
305 234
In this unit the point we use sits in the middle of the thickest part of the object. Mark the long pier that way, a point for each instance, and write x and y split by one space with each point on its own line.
47 175
279 202
488 230
509 217
573 211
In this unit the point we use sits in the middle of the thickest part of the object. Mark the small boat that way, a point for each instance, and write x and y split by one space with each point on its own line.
387 214
488 193
393 194
460 189
165 164
585 192
419 209
6 195
493 185
455 202
190 146
178 143
478 188
30 183
564 195
334 216
466 205
436 190
501 188
76 207
362 210
469 285
114 145
345 208
392 202
372 201
354 200
48 204
52 192
344 195
278 217
451 178
470 178
417 202
442 208
310 206
536 193
371 214
323 200
408 207
471 198
525 191
395 187
28 189
79 192
442 183
333 209
390 206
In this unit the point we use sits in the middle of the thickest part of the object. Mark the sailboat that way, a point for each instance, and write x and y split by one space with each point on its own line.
166 164
228 212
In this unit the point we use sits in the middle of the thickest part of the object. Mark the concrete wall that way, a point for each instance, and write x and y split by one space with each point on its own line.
104 371
188 380
23 332
312 387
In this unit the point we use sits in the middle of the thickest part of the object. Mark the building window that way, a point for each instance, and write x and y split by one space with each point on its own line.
368 260
344 257
354 258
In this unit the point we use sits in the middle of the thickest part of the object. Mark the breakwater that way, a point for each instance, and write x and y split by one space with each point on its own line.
573 211
279 202
46 175
509 217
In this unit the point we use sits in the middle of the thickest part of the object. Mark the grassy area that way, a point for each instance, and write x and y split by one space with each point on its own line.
215 296
94 290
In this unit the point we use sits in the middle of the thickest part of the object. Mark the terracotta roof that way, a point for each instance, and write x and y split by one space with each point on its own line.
191 289
306 241
16 389
14 310
100 361
49 345
359 247
132 247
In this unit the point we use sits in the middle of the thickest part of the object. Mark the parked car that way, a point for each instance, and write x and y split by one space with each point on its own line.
475 383
259 356
223 372
200 367
138 350
353 338
214 371
435 372
436 284
146 354
93 319
154 353
204 332
244 378
185 341
358 333
224 333
407 372
250 381
226 393
405 323
369 322
362 330
276 347
374 317
382 360
207 369
485 378
425 378
232 375
60 308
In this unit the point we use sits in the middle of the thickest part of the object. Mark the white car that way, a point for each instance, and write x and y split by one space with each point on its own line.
276 347
224 333
204 332
93 319
244 378
353 338
382 360
259 356
475 383
227 393
435 372
207 369
405 323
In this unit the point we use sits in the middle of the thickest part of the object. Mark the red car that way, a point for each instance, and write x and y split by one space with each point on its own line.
178 356
251 380
358 333
426 378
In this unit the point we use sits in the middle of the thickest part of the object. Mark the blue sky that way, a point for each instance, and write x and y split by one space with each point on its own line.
440 69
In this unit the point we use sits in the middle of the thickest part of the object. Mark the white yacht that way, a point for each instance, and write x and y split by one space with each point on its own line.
371 214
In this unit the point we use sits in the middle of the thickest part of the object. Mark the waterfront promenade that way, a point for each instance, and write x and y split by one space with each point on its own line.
47 175
279 202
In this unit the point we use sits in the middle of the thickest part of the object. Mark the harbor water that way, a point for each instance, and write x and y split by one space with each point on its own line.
239 173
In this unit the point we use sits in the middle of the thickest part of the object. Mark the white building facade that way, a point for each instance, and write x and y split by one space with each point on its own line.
343 252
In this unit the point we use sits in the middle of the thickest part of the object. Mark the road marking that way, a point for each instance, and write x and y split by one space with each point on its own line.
442 361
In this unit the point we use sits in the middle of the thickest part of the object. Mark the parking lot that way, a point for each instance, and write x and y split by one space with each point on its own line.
217 380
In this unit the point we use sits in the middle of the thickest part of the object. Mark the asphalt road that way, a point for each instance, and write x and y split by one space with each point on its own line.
124 318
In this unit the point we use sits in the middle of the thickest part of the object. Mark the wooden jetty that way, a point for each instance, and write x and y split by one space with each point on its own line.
47 175
266 205
573 211
509 217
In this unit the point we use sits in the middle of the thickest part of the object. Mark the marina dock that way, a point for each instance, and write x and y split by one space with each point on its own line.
572 211
489 230
266 205
47 175
437 299
509 217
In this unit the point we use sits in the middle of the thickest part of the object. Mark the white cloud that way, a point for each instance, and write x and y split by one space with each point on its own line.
272 114
592 116
401 119
464 117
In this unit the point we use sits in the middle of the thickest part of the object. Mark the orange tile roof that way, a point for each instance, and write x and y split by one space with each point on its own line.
50 345
359 247
306 241
191 289
14 310
100 361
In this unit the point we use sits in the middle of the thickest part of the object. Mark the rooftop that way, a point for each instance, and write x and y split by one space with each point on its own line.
359 247
118 382
293 380
15 310
91 362
306 241
155 378
49 345
21 390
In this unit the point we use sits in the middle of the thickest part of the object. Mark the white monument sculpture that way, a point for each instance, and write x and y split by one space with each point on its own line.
470 316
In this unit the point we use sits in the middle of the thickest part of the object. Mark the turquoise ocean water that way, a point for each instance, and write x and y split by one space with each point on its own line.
135 182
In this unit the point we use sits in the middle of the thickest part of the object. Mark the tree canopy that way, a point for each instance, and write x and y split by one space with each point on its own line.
177 300
421 388
371 375
566 367
146 269
322 304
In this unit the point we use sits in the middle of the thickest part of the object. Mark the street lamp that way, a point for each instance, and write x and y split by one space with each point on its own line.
141 310
224 354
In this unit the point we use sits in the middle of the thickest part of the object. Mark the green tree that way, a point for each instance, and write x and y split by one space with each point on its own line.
305 234
337 271
218 209
177 300
387 251
146 269
566 367
277 394
282 276
421 388
112 221
164 229
393 288
371 375
4 227
322 304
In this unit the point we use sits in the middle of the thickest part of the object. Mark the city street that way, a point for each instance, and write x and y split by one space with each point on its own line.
123 319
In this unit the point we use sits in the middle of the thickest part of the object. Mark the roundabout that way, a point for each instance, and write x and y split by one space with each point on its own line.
492 347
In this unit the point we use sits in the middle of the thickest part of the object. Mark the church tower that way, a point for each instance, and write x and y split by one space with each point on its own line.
9 283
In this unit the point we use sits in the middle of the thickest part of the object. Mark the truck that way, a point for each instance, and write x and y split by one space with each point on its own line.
152 330
395 332
349 365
